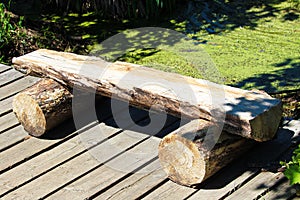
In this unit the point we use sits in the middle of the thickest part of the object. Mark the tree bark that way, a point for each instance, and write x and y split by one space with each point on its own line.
43 106
249 114
189 156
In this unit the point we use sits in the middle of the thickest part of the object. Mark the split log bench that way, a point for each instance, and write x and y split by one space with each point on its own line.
249 116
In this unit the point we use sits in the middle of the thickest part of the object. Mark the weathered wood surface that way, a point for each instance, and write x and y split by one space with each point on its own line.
9 76
281 191
9 120
143 150
43 106
13 88
31 159
250 114
5 105
77 154
189 156
4 68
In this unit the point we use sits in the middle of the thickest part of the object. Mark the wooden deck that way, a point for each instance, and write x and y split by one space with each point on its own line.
62 165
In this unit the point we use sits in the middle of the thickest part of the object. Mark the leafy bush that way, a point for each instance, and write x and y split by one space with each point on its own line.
10 31
292 171
119 8
295 4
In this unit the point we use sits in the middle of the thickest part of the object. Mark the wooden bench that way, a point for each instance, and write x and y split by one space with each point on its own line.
59 166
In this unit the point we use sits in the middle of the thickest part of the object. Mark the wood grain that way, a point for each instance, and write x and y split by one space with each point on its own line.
43 106
250 114
189 157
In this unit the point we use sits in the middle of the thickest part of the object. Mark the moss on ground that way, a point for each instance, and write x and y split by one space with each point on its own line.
253 44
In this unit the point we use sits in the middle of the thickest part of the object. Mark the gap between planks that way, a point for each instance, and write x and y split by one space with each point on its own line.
4 68
16 86
34 147
270 151
10 76
169 190
134 160
72 165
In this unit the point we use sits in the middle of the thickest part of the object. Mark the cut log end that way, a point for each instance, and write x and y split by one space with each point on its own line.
42 106
30 114
188 158
181 160
252 115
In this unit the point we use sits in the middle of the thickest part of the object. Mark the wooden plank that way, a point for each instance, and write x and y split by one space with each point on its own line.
12 136
260 183
241 172
8 121
32 147
17 86
170 190
219 192
137 184
111 171
23 151
250 114
46 161
9 76
76 167
6 105
108 174
256 186
4 68
282 191
71 169
53 157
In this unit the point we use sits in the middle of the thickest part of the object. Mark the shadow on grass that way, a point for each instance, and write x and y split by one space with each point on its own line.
211 16
285 78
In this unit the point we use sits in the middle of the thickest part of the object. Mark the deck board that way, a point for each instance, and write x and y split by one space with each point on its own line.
15 87
12 136
106 175
59 166
9 76
5 106
137 184
8 121
170 190
264 153
4 68
75 167
256 186
281 191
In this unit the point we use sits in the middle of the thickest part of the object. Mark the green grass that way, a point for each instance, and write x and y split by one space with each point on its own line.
262 53
266 56
258 47
250 58
255 44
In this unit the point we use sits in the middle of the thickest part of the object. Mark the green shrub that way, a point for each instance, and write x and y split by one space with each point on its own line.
119 8
295 4
10 32
292 168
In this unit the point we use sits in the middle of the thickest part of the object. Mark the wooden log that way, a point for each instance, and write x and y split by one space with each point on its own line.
249 114
42 106
189 159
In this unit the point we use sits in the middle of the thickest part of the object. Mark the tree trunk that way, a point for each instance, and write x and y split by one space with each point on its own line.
189 156
43 106
249 114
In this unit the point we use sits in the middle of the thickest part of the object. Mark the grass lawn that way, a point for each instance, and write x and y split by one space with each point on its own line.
264 54
247 44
